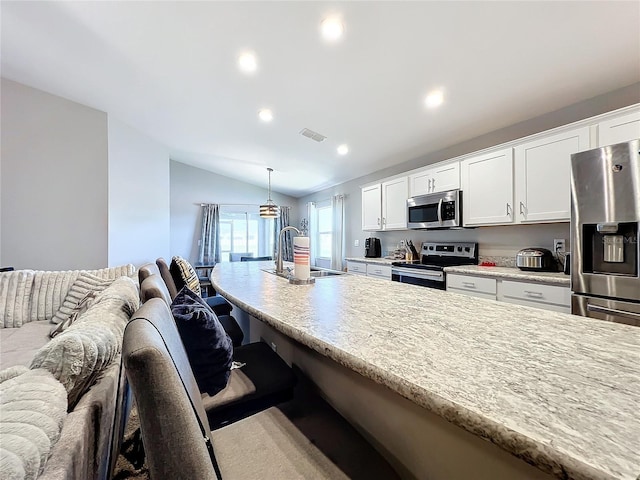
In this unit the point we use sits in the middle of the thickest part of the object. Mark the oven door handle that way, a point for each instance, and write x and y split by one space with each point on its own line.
613 311
440 211
424 274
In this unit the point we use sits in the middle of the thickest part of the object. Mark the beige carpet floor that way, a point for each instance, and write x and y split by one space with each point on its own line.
315 418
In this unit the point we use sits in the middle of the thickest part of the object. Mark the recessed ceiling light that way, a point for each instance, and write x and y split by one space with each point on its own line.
265 115
247 62
332 29
343 149
434 99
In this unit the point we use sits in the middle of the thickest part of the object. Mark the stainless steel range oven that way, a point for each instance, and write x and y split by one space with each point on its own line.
429 271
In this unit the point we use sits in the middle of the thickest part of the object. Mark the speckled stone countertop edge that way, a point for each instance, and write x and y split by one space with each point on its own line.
379 260
518 444
509 273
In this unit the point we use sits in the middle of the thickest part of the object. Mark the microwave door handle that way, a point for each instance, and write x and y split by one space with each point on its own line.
440 211
613 311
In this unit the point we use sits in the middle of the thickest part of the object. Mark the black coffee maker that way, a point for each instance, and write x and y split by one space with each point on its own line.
372 248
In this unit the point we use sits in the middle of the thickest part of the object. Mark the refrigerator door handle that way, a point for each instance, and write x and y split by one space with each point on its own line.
613 311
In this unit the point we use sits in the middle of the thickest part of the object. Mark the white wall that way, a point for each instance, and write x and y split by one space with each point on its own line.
191 186
506 240
138 196
54 181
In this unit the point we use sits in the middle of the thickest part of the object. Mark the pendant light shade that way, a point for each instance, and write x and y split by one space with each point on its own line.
269 209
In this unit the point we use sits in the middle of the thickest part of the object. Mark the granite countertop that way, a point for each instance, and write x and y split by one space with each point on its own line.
379 261
509 273
557 390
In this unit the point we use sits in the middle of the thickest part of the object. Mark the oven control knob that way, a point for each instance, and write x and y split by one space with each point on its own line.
431 247
459 249
467 249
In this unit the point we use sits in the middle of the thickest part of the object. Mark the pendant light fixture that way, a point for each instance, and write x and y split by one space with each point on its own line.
269 209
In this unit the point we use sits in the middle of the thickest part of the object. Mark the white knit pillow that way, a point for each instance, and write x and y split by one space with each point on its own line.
49 291
15 293
78 296
32 409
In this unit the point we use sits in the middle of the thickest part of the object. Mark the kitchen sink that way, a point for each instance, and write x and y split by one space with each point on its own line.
315 272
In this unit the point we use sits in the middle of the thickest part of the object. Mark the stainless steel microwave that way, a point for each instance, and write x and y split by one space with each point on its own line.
436 210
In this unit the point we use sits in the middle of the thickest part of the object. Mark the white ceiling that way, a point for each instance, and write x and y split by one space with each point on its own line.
169 70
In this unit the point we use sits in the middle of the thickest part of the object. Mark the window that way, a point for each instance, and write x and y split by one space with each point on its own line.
324 230
244 233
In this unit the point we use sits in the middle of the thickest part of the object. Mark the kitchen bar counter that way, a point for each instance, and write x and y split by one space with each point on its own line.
548 278
557 390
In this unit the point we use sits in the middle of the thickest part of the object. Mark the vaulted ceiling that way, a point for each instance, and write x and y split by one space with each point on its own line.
170 69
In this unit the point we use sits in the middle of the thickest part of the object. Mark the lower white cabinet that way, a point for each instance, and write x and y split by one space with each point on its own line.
369 269
357 267
380 271
548 297
481 287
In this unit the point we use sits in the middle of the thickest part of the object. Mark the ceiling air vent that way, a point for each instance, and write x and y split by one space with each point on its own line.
312 135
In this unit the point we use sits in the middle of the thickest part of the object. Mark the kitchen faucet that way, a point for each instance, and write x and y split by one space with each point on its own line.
279 269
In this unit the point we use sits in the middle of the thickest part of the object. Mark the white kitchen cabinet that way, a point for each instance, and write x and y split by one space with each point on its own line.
543 176
384 205
438 178
380 271
548 297
357 268
372 208
394 204
373 269
480 287
619 129
487 187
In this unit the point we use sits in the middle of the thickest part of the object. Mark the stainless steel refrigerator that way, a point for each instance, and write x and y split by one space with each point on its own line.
605 214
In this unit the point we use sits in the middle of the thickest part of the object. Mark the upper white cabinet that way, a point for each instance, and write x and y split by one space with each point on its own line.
543 176
439 178
619 129
487 186
394 204
384 205
372 208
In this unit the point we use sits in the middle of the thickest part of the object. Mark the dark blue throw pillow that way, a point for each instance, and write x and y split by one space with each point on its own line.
208 347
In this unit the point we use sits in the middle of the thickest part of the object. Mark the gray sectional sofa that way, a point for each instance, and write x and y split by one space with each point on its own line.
63 400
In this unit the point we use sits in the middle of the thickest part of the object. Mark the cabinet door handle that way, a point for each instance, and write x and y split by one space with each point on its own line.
429 186
378 220
469 284
522 209
530 293
433 184
508 209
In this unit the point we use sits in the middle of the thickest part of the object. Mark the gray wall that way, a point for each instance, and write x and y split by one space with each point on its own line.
500 240
191 186
138 196
54 181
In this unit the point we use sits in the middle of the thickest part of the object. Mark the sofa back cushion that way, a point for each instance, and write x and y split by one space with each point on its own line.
15 292
208 346
78 355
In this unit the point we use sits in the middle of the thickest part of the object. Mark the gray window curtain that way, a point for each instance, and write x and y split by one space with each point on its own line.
287 243
337 237
209 249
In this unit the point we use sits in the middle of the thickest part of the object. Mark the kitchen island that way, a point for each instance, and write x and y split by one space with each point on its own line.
558 391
